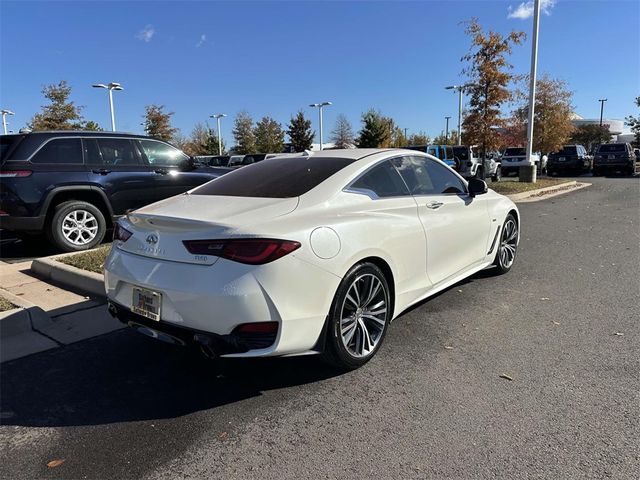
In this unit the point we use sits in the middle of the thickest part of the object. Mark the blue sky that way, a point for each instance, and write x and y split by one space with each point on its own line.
273 58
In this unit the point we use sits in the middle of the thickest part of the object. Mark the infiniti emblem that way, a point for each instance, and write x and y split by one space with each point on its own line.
152 239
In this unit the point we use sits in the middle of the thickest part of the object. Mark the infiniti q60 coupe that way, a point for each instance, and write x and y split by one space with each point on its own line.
315 253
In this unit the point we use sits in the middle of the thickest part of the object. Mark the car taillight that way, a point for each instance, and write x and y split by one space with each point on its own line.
252 251
121 233
257 328
14 173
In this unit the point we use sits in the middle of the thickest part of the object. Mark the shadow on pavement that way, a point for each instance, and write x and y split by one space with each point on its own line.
123 377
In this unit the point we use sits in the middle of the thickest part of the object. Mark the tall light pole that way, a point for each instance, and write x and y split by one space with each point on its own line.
602 100
4 119
446 135
532 83
460 89
110 87
320 105
218 116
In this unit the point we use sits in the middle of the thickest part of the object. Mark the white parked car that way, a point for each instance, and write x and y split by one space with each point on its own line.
515 157
309 254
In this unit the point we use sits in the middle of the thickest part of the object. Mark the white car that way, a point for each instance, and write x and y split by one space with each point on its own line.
515 157
309 254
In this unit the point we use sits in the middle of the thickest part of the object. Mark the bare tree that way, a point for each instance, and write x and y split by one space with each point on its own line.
342 135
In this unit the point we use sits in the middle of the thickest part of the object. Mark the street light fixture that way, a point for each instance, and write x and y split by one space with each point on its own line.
319 106
110 87
460 89
4 119
218 116
602 100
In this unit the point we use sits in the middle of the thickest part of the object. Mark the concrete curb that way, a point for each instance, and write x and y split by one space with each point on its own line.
76 278
546 192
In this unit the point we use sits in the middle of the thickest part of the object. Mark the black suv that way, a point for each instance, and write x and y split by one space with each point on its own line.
571 159
614 157
70 185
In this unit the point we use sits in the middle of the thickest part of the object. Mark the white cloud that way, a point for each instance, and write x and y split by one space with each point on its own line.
525 9
146 34
203 38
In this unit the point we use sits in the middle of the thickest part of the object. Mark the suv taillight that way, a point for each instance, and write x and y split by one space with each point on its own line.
14 173
252 251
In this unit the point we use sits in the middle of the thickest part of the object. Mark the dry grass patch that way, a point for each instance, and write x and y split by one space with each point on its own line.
509 187
91 260
6 305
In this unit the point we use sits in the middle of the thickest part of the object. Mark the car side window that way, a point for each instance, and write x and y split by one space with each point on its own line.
381 181
60 150
111 152
162 155
423 176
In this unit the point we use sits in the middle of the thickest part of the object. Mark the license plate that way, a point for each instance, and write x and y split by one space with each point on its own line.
146 303
562 159
611 157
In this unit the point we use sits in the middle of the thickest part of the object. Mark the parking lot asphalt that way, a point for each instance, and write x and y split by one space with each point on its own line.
534 374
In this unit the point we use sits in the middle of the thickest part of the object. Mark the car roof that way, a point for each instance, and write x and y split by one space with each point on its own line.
87 133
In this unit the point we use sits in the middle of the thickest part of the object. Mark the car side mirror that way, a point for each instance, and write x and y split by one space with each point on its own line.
477 187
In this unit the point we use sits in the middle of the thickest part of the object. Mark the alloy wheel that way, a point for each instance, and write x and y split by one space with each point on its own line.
363 316
508 243
79 227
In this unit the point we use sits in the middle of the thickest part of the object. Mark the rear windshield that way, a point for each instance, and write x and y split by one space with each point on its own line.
6 144
514 152
461 152
275 178
613 148
568 150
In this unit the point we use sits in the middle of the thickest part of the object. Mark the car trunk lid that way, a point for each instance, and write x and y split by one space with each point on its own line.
158 230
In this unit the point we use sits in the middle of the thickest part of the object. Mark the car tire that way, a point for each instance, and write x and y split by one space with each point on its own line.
76 226
551 173
507 246
354 332
496 177
596 173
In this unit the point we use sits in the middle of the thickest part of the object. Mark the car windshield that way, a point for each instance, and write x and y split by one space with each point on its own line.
461 152
6 143
612 148
278 178
514 152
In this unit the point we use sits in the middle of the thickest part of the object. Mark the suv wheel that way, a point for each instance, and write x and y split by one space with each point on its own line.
497 175
77 226
359 317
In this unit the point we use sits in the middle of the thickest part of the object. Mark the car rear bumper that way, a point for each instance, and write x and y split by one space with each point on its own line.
21 224
218 298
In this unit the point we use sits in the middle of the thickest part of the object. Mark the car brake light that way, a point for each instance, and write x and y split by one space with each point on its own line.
257 327
121 233
252 251
14 173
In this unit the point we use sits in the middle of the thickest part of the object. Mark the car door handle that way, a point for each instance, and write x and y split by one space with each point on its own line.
434 205
101 171
161 171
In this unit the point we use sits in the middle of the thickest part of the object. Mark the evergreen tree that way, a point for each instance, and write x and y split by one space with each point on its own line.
60 113
243 134
269 136
300 133
375 131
